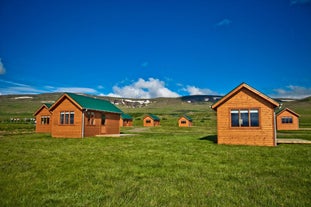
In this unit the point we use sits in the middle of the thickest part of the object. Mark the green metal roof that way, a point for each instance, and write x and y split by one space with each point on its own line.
187 117
126 116
154 117
48 105
90 103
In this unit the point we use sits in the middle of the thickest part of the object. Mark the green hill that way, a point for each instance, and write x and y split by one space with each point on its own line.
168 109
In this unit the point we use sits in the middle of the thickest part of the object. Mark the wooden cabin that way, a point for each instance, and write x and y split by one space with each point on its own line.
151 120
43 117
287 119
78 116
245 116
184 121
126 120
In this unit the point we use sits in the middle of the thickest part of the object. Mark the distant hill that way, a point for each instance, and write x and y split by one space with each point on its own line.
25 105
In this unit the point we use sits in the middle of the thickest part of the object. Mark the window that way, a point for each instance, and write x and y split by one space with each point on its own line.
254 117
91 118
62 117
45 120
287 120
67 117
103 119
72 117
148 121
183 122
244 118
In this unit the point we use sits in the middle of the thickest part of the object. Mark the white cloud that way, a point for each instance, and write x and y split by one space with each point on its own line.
150 88
144 64
75 90
224 22
10 87
192 90
2 69
293 2
20 90
292 92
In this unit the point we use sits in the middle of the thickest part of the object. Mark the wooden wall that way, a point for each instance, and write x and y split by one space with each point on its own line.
262 135
66 130
126 122
287 126
112 124
43 128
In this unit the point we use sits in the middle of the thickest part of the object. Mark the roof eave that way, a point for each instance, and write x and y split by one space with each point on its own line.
238 88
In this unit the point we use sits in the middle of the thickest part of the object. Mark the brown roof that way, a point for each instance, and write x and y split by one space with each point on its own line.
240 87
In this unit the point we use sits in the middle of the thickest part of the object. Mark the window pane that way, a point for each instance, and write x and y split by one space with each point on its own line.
254 118
290 120
234 118
67 118
62 115
287 120
244 118
72 117
103 119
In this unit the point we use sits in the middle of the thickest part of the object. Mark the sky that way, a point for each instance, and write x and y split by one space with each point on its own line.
155 48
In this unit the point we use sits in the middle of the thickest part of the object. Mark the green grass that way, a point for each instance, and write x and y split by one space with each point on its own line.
295 134
162 166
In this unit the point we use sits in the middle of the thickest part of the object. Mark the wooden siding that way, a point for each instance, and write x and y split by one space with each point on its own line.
183 122
43 128
111 125
125 122
66 130
152 122
287 126
264 135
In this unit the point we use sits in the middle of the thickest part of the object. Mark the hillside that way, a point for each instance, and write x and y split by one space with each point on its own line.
198 107
25 105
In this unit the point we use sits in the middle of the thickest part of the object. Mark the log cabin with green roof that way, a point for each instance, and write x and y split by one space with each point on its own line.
126 120
151 120
43 116
78 116
185 121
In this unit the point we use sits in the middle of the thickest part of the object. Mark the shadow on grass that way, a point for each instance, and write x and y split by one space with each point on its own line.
212 138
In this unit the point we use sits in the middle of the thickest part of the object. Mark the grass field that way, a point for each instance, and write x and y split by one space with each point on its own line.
163 166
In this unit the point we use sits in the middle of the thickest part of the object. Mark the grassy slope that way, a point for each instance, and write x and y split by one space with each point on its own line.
154 168
20 108
162 166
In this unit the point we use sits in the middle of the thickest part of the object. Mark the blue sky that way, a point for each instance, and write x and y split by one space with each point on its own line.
146 49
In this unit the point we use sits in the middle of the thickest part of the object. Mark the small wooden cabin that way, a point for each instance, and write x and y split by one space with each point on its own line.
78 116
184 121
287 119
245 116
43 117
151 120
126 120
